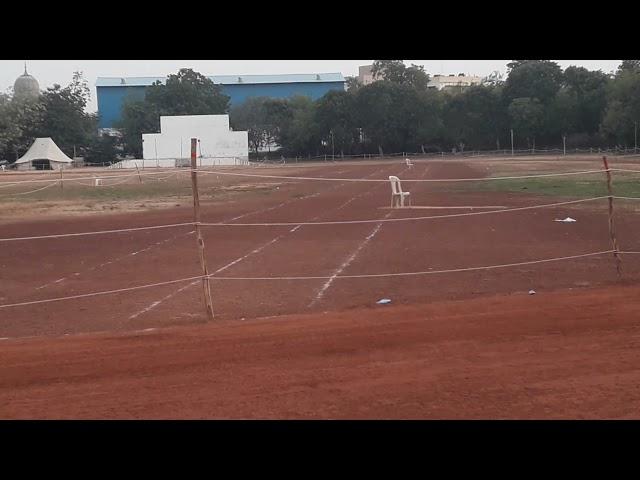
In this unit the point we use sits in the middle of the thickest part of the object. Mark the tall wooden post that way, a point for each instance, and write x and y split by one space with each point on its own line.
612 227
138 170
196 215
61 179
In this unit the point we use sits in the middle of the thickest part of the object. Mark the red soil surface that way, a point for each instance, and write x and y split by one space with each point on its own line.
568 351
557 355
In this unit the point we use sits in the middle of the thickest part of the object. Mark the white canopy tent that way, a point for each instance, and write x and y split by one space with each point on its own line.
44 154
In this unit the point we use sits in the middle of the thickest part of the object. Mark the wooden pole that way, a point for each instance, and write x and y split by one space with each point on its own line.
138 170
196 214
61 179
612 227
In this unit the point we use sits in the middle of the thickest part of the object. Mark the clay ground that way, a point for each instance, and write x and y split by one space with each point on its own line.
453 345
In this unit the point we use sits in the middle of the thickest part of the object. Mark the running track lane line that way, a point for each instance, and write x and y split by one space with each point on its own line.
254 251
122 257
353 256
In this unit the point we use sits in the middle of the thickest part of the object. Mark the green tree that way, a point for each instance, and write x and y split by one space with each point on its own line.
527 116
137 117
587 92
539 79
17 122
334 119
250 116
63 116
185 93
102 149
622 114
629 66
476 117
352 83
397 72
298 133
396 117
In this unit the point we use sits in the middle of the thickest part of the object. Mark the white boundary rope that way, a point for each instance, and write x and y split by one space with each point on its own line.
431 180
325 179
98 232
623 170
94 176
406 219
29 192
372 275
287 224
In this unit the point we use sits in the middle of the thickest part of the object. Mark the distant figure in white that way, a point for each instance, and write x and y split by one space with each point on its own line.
409 164
397 195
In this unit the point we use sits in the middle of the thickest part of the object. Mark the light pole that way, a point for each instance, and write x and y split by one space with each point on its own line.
564 144
332 148
635 136
512 142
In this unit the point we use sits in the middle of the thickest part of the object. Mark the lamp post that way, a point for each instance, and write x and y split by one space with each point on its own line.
332 147
512 142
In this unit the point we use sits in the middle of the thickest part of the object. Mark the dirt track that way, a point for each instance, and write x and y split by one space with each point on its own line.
62 267
569 351
556 355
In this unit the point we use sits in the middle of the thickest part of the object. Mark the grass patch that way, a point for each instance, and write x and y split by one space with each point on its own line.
558 186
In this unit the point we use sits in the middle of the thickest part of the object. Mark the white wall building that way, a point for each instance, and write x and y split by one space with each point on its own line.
441 82
364 74
217 143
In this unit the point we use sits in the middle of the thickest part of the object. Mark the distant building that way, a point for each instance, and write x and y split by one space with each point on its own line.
461 81
26 87
112 92
217 143
439 82
364 74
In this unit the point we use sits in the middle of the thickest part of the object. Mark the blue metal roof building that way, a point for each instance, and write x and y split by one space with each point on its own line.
113 91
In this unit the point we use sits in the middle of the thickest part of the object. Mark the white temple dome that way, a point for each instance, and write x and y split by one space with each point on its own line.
26 86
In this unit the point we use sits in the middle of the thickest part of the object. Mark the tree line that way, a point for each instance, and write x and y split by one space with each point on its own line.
60 113
543 104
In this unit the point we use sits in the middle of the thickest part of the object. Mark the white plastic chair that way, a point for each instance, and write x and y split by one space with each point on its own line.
397 195
409 164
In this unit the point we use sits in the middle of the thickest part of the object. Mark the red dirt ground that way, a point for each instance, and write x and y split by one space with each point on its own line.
557 355
554 355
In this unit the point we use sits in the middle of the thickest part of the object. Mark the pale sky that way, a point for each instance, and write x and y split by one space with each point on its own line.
48 72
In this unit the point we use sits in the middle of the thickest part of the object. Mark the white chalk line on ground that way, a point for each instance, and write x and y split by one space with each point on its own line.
116 259
345 264
320 294
55 282
221 269
362 276
239 259
145 249
440 207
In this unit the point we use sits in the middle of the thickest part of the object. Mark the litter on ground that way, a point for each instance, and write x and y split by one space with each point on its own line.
383 301
532 292
566 220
